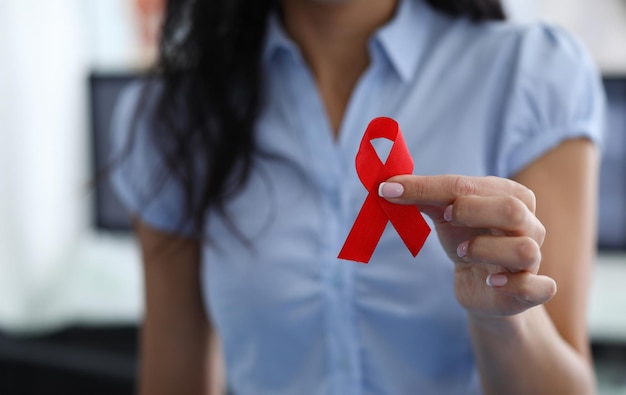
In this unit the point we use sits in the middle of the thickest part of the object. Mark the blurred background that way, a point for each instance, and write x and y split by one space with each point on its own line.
70 281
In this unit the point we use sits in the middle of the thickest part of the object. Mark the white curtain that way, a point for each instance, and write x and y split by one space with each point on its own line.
52 268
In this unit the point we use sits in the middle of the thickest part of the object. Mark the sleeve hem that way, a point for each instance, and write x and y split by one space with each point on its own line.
537 147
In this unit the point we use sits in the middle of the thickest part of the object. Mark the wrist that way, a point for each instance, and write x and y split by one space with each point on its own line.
509 326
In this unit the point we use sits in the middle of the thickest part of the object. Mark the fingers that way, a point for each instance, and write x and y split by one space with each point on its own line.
527 288
442 190
484 293
515 253
494 221
505 213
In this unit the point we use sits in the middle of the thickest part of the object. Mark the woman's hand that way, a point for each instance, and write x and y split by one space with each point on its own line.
488 227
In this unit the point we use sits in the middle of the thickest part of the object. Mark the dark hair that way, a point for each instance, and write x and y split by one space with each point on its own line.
209 68
478 10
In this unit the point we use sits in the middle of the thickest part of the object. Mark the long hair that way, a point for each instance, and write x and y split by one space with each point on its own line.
209 69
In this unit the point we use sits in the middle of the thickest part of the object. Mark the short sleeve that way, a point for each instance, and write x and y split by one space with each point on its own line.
556 95
139 176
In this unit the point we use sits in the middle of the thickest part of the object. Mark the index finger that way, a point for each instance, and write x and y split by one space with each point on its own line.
443 190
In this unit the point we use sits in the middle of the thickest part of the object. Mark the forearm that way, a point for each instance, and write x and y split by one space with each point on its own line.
525 354
174 359
176 332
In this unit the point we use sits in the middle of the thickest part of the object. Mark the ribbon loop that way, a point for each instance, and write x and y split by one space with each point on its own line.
376 211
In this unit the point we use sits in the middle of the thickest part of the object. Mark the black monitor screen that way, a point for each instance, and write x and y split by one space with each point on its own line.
612 204
110 215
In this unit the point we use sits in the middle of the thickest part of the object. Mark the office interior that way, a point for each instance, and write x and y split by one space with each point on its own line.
70 274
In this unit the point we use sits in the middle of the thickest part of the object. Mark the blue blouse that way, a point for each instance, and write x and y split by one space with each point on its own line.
471 98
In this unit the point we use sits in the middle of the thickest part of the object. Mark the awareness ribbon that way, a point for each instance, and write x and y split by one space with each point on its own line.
376 211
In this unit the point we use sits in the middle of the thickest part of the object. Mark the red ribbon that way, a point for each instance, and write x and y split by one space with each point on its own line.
376 211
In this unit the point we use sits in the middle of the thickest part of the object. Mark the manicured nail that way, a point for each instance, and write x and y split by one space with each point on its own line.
447 214
390 190
496 280
461 250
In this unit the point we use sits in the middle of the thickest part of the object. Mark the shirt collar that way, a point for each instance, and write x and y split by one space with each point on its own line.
276 39
405 37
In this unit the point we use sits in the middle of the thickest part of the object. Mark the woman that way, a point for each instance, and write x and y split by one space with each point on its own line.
241 178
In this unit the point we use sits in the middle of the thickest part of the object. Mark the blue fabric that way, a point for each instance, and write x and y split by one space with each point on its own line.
474 99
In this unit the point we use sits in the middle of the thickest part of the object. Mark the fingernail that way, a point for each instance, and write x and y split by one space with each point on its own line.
461 250
447 214
390 190
496 280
